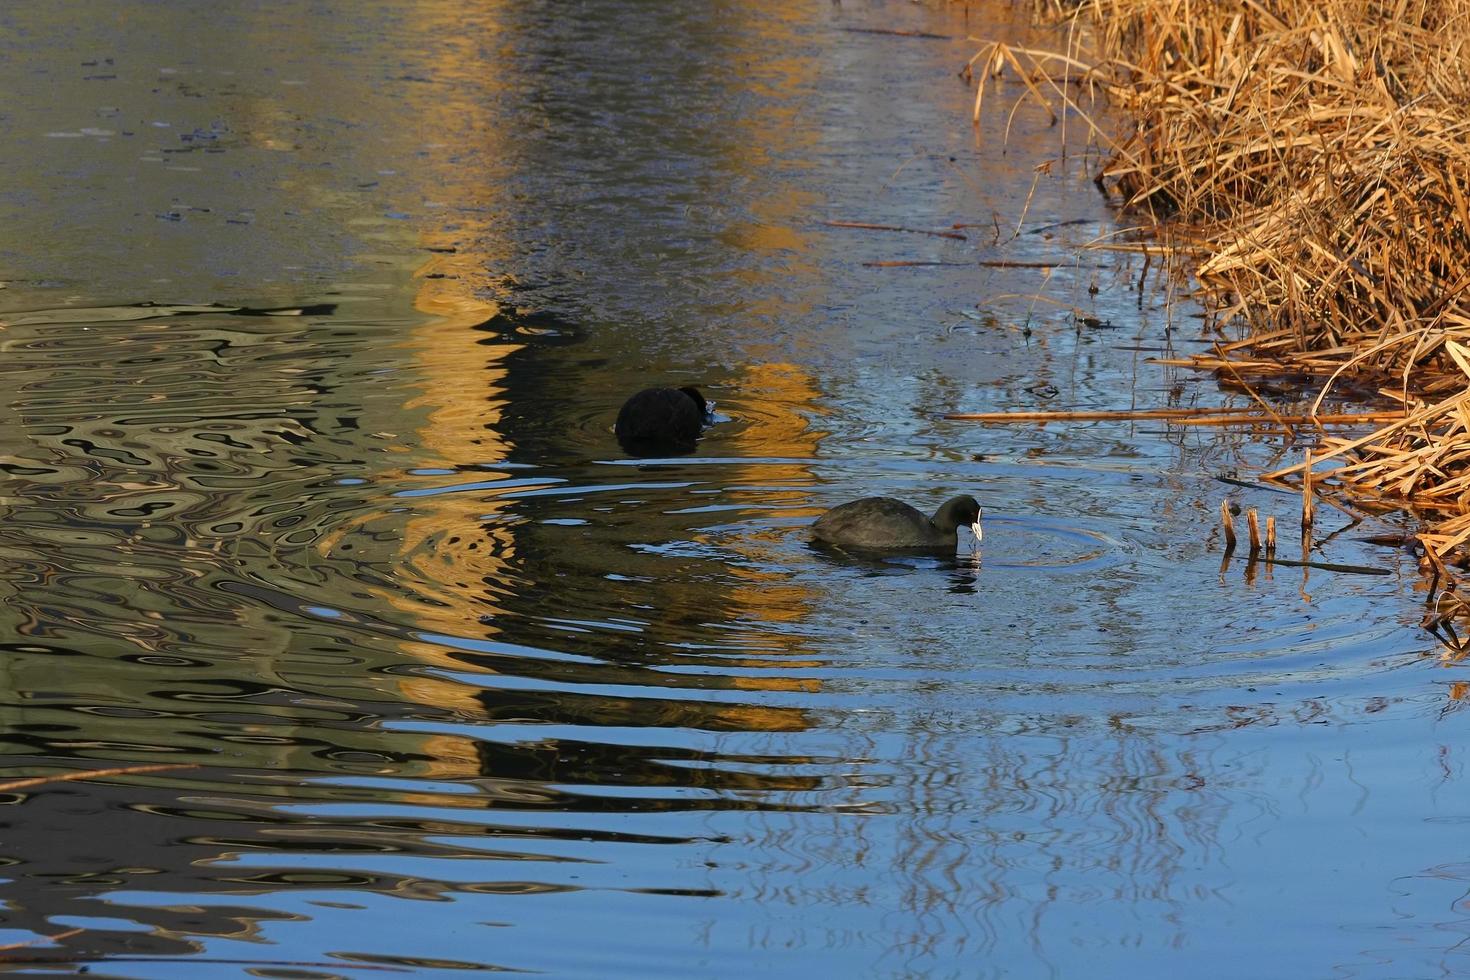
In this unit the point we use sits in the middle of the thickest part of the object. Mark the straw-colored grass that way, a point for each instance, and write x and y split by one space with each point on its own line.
1322 148
1315 156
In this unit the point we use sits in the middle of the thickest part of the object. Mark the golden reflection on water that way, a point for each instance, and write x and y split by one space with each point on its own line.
460 376
462 379
766 592
463 397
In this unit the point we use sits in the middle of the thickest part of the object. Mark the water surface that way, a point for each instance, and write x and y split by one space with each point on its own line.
338 521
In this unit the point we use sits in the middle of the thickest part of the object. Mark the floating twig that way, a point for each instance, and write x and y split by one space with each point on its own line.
14 784
1252 485
982 263
41 957
1020 264
908 231
924 35
1327 566
1183 416
906 265
1080 415
1337 418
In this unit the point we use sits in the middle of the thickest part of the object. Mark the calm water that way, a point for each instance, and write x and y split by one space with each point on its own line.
464 688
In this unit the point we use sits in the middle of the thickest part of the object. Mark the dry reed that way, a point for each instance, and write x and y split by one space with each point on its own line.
1317 150
1314 158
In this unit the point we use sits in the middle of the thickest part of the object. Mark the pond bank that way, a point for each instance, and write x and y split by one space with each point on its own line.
1310 159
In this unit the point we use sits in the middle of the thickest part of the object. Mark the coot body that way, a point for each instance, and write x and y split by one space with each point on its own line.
885 524
662 419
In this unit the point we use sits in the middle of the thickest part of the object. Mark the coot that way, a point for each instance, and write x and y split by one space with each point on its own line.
882 523
662 419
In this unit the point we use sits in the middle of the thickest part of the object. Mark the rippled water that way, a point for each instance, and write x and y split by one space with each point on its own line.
337 520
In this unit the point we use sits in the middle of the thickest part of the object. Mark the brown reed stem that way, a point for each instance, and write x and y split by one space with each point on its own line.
1228 523
1307 494
1180 416
1283 421
1255 531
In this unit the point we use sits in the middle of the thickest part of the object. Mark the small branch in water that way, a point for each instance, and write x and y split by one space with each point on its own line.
14 784
868 226
42 957
926 35
1081 415
1268 559
1228 523
1017 264
1178 416
1339 418
983 263
1252 485
1043 229
905 265
1181 416
1327 566
1254 525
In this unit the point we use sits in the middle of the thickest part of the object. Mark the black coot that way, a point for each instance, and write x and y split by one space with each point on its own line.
882 523
662 419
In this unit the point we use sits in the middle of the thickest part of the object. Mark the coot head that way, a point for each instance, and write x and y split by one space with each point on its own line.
959 511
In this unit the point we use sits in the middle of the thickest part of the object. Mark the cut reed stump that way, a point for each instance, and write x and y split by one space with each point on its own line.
1307 496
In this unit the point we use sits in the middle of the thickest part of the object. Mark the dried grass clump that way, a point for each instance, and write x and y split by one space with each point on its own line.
1315 156
1323 146
1318 151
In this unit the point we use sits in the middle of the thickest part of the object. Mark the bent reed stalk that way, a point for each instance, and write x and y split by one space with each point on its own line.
1315 156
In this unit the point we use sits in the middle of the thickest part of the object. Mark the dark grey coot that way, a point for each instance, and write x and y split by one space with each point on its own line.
661 419
885 524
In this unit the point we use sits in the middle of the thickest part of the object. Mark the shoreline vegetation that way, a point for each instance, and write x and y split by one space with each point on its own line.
1310 160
